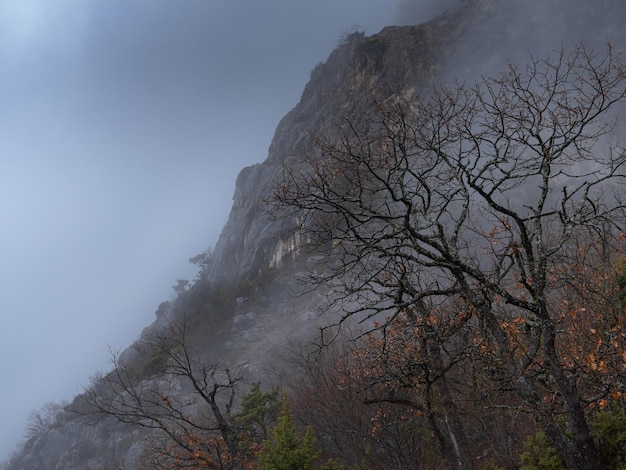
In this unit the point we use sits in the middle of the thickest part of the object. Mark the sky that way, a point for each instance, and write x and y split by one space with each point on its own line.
123 125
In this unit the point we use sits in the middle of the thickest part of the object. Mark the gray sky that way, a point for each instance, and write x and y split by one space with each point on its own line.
123 125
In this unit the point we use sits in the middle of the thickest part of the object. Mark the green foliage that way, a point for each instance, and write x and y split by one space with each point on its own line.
287 449
258 410
540 454
608 429
334 465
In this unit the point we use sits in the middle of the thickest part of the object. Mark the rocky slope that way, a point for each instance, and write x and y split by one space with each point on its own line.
243 305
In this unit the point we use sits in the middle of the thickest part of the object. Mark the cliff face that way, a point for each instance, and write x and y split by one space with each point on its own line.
252 265
477 38
362 70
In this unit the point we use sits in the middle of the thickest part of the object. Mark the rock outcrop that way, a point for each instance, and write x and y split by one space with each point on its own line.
249 277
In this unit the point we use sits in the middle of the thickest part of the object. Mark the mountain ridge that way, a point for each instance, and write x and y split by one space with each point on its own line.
243 301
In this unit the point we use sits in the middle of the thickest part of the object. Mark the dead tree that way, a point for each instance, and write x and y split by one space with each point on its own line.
188 404
474 196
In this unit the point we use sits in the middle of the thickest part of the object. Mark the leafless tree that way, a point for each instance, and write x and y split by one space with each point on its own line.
338 392
473 197
44 418
188 405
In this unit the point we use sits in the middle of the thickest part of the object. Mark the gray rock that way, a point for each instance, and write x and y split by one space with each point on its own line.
399 61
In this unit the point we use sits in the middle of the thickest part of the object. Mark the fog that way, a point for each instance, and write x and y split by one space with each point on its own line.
123 126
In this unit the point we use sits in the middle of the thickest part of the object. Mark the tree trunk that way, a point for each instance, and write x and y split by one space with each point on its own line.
583 453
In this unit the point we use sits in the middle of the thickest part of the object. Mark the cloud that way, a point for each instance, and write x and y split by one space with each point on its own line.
419 11
25 25
21 21
123 126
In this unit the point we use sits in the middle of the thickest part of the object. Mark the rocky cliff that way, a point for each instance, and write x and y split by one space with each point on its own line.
242 306
478 37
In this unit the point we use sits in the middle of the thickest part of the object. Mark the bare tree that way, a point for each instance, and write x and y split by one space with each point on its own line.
362 416
189 405
44 418
473 198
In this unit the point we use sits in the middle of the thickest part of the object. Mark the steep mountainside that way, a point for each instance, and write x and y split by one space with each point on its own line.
469 41
242 308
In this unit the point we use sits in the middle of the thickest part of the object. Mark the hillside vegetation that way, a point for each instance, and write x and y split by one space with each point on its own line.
428 271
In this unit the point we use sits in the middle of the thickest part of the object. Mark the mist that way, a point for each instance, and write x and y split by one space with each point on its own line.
123 127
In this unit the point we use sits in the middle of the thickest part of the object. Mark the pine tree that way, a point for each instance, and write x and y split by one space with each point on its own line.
287 449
